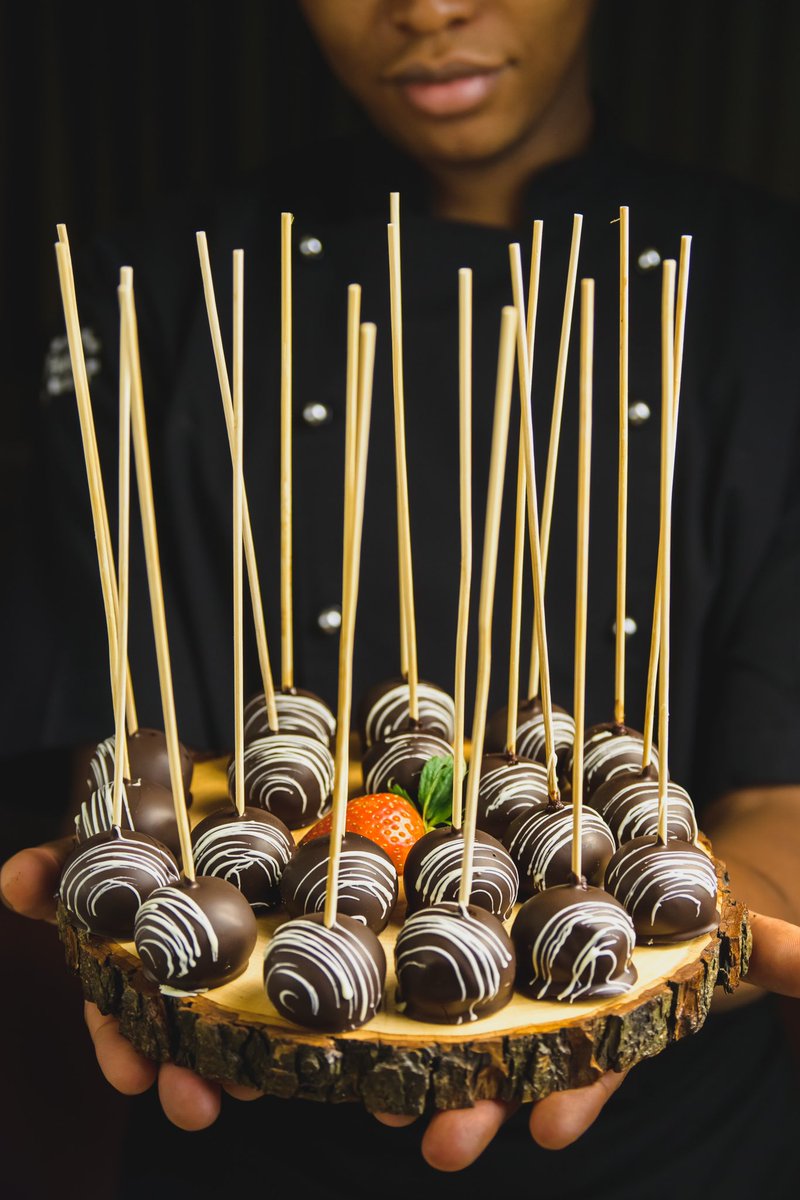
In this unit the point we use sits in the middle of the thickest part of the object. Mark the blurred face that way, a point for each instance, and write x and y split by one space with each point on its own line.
454 81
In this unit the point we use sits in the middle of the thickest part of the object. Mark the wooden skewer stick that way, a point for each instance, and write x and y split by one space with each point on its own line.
121 764
102 533
582 563
238 490
145 487
494 501
655 634
351 403
555 429
465 506
622 468
287 617
403 515
262 646
358 418
665 533
540 624
526 326
394 219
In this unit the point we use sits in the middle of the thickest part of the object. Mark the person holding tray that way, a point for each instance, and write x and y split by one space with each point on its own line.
483 120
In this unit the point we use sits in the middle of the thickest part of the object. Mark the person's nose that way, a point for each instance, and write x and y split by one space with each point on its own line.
429 16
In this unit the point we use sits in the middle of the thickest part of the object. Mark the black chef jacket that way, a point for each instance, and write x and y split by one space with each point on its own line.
735 698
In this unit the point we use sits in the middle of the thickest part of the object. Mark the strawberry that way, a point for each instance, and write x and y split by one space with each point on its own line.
390 821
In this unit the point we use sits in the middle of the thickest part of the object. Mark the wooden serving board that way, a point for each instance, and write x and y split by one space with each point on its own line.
527 1050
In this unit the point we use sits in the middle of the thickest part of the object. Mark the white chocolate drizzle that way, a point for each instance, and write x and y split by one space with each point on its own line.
95 872
508 790
306 716
545 834
598 962
632 811
361 873
390 713
171 926
607 754
231 848
418 747
648 877
96 813
531 739
495 879
289 775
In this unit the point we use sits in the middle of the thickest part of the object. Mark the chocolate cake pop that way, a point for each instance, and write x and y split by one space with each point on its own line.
367 889
195 935
250 851
325 978
288 775
530 741
573 942
433 872
670 890
146 806
509 786
385 711
107 878
609 749
628 803
540 843
399 761
148 758
299 712
455 963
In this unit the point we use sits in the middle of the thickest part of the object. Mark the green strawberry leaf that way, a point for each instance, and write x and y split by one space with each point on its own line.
397 790
436 791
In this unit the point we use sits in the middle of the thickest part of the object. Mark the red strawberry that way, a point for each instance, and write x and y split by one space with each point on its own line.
389 820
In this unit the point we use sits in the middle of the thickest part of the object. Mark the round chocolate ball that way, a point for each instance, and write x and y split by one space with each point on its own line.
508 788
455 963
146 807
148 760
628 803
288 775
669 890
399 761
573 942
432 873
108 877
609 749
530 732
367 889
195 935
384 711
540 843
299 712
329 979
250 851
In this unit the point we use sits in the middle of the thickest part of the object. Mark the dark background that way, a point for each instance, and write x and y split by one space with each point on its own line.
105 109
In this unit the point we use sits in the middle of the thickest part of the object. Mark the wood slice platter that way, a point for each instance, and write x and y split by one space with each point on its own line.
393 1064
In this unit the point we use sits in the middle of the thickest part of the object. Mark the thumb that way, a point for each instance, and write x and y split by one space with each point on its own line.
775 958
29 879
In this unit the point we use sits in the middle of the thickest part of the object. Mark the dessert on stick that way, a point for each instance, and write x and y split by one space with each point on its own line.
454 960
530 736
668 885
109 875
628 798
573 941
248 847
199 931
399 706
325 969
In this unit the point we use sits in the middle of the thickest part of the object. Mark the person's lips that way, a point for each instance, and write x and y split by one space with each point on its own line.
450 90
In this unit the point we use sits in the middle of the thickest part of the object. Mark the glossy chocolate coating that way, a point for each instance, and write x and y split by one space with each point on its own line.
669 890
540 843
299 712
288 775
322 978
108 877
432 872
628 803
146 807
148 758
609 749
367 889
509 787
384 711
193 936
399 761
530 732
573 942
250 851
455 963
